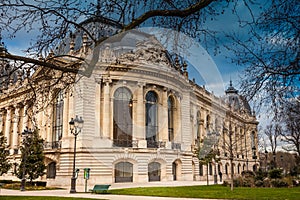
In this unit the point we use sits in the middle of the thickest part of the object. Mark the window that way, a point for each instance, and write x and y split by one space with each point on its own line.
226 169
171 118
58 117
154 171
51 170
253 139
198 124
151 119
201 169
207 123
123 172
122 122
210 168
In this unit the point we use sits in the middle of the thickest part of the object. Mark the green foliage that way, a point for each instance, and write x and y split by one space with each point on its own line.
4 153
279 183
32 163
275 173
261 175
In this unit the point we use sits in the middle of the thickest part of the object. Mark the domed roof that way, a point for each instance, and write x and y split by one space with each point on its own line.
237 102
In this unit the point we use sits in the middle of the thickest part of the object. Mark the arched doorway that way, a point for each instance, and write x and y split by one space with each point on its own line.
51 170
154 171
123 172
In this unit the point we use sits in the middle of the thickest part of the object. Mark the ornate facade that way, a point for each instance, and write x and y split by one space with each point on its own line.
144 120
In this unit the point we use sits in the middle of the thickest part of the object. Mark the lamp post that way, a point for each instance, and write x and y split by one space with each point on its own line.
75 128
25 134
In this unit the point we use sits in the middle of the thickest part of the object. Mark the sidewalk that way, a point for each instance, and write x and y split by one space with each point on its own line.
65 193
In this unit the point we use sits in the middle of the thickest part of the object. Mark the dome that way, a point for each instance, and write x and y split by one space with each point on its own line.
237 102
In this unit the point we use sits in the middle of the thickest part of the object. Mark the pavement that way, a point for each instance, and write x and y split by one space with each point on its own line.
66 193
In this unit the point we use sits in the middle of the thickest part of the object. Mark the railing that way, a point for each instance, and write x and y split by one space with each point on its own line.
176 145
122 142
52 145
152 144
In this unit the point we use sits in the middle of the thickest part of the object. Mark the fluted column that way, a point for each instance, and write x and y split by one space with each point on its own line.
106 110
66 116
15 137
139 115
7 125
163 117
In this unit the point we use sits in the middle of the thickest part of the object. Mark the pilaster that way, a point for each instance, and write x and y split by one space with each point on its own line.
16 119
106 109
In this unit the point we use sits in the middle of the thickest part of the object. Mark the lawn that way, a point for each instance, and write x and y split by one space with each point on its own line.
39 198
215 192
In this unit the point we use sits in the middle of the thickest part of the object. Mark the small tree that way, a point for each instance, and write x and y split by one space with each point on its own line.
207 153
32 158
4 164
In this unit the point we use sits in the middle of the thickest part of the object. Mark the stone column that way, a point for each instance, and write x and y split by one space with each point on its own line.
66 119
163 118
106 110
98 108
2 113
7 125
15 128
25 118
139 119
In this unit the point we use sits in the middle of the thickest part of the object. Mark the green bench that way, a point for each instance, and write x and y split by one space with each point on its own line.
99 189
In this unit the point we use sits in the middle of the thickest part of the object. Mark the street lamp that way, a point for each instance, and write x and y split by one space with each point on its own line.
75 128
25 134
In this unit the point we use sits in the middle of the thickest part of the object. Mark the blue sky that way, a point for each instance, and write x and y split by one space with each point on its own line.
213 70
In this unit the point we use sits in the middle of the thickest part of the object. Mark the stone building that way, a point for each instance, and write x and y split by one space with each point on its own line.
144 120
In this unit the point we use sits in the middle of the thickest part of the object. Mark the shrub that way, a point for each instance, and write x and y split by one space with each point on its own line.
275 173
259 183
279 183
6 181
260 175
41 183
267 182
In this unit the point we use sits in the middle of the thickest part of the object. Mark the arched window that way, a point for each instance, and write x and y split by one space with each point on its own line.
254 168
239 169
226 169
171 118
151 119
51 170
123 172
210 169
198 124
207 123
252 139
58 117
122 119
154 171
201 169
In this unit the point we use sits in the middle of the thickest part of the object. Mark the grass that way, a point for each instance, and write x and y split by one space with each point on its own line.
39 198
214 192
209 192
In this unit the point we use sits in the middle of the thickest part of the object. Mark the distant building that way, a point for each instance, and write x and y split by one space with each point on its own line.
144 120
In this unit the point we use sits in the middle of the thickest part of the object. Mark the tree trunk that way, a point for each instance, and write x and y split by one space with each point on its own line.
207 181
231 174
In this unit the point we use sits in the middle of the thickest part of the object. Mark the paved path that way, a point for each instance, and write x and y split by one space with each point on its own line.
65 193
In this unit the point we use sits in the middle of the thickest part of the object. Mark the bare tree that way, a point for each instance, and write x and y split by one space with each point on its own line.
290 118
273 133
271 54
